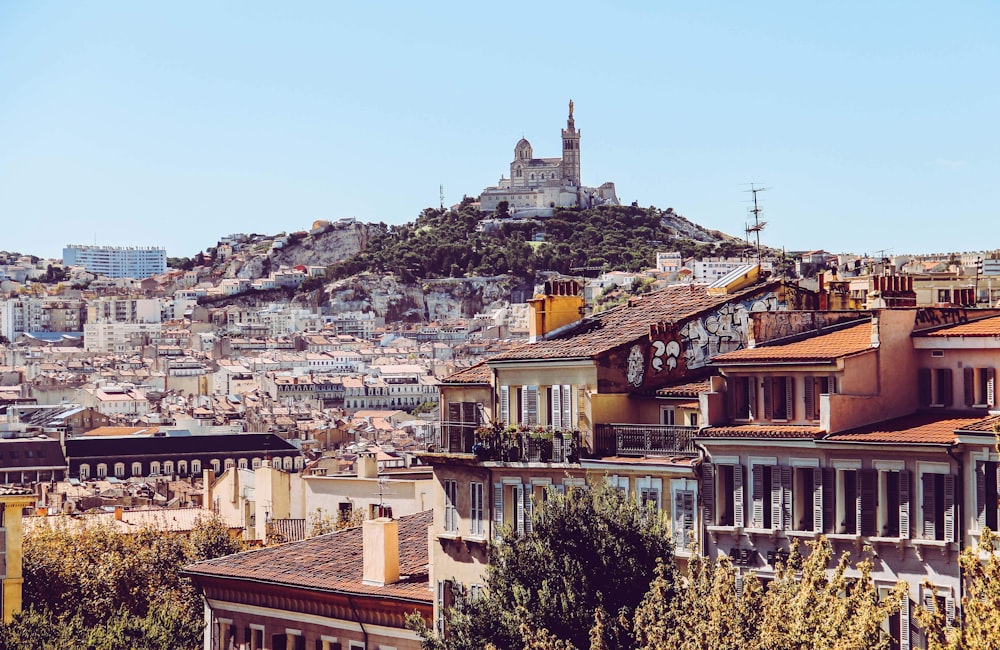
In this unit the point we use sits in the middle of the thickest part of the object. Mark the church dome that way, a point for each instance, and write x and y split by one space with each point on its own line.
522 150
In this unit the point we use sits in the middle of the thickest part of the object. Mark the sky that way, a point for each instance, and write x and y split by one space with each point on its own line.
873 126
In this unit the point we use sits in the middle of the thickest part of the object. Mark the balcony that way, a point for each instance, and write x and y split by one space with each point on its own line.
645 440
536 444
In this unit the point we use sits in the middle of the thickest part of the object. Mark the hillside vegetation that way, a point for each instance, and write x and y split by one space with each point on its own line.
459 243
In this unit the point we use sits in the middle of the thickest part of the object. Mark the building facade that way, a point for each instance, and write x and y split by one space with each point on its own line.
117 262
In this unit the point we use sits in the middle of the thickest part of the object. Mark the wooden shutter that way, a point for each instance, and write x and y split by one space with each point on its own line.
555 394
739 517
529 404
809 397
529 508
868 491
946 394
991 392
904 504
677 519
454 437
768 410
904 623
738 583
708 493
949 508
981 494
829 500
519 509
786 499
924 386
949 610
757 496
567 406
497 510
969 383
776 498
789 398
752 407
817 500
505 404
929 506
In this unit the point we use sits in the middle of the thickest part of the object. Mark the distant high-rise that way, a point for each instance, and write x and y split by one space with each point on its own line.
117 261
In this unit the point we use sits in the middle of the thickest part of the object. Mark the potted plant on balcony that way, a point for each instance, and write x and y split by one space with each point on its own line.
489 441
539 445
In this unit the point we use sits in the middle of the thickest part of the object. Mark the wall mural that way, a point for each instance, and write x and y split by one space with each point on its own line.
697 341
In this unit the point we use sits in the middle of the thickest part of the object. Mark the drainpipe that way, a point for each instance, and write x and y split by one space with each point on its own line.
959 517
704 524
364 632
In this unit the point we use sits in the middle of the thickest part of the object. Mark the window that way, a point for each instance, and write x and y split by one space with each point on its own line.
934 387
667 415
512 504
459 430
979 387
476 509
444 601
136 469
168 467
812 388
84 471
529 404
856 508
742 397
938 511
102 470
771 497
182 467
987 494
682 515
778 398
722 494
120 470
620 483
649 491
692 419
939 599
894 504
561 406
154 468
450 511
242 462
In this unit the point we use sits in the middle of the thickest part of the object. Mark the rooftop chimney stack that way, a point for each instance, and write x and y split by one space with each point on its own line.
380 540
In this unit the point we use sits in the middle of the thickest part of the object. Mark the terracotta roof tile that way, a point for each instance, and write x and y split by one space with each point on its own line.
755 431
621 325
477 374
985 425
689 389
332 562
917 428
982 327
825 347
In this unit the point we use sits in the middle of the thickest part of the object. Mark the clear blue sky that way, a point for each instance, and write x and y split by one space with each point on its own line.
136 123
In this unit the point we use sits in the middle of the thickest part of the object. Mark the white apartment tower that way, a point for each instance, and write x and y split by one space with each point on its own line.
117 261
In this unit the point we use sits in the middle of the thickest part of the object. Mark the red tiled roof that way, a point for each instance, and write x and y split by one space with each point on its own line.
985 425
917 428
477 374
825 347
689 389
982 327
332 562
621 325
755 431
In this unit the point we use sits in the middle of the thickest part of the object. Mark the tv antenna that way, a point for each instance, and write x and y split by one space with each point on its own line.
758 225
441 188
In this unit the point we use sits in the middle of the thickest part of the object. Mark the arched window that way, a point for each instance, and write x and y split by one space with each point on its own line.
287 463
299 462
136 469
84 471
255 463
196 467
243 463
182 467
120 470
216 465
102 470
168 467
154 468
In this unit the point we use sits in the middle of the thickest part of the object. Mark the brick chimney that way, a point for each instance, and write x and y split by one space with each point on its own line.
380 540
560 305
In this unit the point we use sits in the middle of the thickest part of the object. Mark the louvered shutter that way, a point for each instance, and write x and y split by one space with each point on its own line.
567 406
497 510
991 392
738 583
752 409
904 504
929 506
757 496
969 381
786 499
904 623
869 501
454 428
829 500
927 596
561 489
809 398
505 404
949 610
519 509
981 494
924 386
556 395
946 393
529 508
677 519
739 516
708 493
687 522
529 405
949 508
789 398
768 412
817 499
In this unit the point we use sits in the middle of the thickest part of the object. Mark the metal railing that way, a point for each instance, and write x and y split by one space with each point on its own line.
645 440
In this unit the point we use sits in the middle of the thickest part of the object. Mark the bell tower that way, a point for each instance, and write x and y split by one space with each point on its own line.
571 150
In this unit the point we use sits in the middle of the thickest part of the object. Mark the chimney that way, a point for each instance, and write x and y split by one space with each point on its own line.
560 305
119 512
207 479
380 540
367 465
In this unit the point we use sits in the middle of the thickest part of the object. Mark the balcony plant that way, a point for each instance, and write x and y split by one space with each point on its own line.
538 444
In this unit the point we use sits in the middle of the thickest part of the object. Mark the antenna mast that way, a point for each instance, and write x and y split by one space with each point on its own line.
442 195
758 225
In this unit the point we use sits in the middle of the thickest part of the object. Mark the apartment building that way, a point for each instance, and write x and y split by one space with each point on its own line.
117 262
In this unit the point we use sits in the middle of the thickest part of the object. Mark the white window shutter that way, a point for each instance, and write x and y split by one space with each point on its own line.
904 504
981 494
949 610
990 387
949 508
497 510
567 406
529 508
708 493
786 498
757 496
817 499
556 395
775 501
739 516
519 508
505 404
904 623
529 405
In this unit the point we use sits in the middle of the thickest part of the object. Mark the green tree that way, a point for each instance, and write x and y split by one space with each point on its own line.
582 570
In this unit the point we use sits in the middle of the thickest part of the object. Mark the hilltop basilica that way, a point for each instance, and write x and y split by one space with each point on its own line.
537 185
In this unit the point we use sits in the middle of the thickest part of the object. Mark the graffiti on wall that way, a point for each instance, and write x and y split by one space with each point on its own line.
672 350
